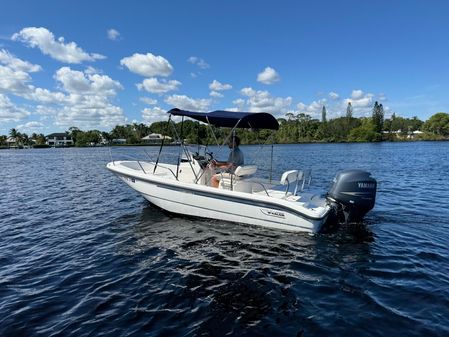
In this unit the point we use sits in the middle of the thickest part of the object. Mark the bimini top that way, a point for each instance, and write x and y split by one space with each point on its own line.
229 119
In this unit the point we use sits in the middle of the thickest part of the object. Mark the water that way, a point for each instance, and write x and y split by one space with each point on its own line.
82 254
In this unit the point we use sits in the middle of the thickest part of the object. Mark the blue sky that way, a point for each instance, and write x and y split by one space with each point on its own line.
95 64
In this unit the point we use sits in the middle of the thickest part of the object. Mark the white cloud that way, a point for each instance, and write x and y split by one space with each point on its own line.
85 99
14 81
46 96
43 39
313 109
263 101
91 70
361 102
88 100
239 103
217 86
113 34
268 76
17 64
199 62
248 91
10 112
148 100
73 81
45 111
92 114
215 94
14 74
154 86
30 127
187 103
147 65
153 114
356 94
334 95
77 82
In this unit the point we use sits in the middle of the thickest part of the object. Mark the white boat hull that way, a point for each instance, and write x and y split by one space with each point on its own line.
208 202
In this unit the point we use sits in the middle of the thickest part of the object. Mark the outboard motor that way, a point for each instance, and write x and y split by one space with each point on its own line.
352 194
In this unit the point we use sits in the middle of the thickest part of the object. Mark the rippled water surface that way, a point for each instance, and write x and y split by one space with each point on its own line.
83 254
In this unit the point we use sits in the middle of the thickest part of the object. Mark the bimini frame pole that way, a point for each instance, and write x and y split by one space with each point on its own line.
189 157
162 145
180 149
271 137
271 162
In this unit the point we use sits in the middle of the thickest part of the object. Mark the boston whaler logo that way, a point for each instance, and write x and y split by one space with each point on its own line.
271 212
366 185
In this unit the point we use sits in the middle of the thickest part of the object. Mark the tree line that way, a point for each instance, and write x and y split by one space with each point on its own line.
293 128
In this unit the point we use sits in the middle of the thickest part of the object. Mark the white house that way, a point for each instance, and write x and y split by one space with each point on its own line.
155 138
414 134
11 142
118 141
59 139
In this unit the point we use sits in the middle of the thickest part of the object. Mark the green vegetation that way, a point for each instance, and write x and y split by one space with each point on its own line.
18 139
438 124
300 128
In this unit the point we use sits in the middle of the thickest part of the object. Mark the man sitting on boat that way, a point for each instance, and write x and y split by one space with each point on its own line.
235 160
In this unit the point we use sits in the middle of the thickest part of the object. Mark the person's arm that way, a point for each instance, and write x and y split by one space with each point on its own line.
221 164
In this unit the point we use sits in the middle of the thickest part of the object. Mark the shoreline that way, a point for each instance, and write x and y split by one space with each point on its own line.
170 145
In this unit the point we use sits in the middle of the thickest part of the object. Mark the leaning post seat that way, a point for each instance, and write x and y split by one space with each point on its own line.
242 171
289 177
236 181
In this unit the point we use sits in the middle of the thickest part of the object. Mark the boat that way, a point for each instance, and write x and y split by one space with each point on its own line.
242 197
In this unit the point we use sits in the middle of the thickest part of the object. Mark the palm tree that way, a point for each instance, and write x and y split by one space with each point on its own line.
13 133
19 139
25 139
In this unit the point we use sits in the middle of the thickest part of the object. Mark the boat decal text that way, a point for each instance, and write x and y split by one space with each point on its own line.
271 212
366 185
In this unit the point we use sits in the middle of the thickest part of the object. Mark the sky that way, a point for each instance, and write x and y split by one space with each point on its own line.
96 64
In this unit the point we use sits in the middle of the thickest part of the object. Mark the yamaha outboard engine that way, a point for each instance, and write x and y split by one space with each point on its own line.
352 194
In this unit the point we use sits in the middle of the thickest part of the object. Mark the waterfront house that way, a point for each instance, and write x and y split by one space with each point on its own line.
414 134
11 142
119 141
59 139
154 138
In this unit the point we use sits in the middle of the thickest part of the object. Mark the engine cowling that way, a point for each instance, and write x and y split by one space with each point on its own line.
353 193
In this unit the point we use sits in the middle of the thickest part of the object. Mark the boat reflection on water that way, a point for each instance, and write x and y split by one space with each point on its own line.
229 278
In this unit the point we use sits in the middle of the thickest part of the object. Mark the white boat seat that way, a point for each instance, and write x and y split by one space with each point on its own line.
289 177
242 171
235 181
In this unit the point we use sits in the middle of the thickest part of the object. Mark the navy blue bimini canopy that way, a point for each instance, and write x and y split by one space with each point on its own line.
229 119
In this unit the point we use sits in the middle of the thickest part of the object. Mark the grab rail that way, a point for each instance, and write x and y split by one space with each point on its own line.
171 171
138 162
263 186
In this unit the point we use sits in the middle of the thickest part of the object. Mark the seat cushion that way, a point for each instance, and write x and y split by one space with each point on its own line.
245 170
